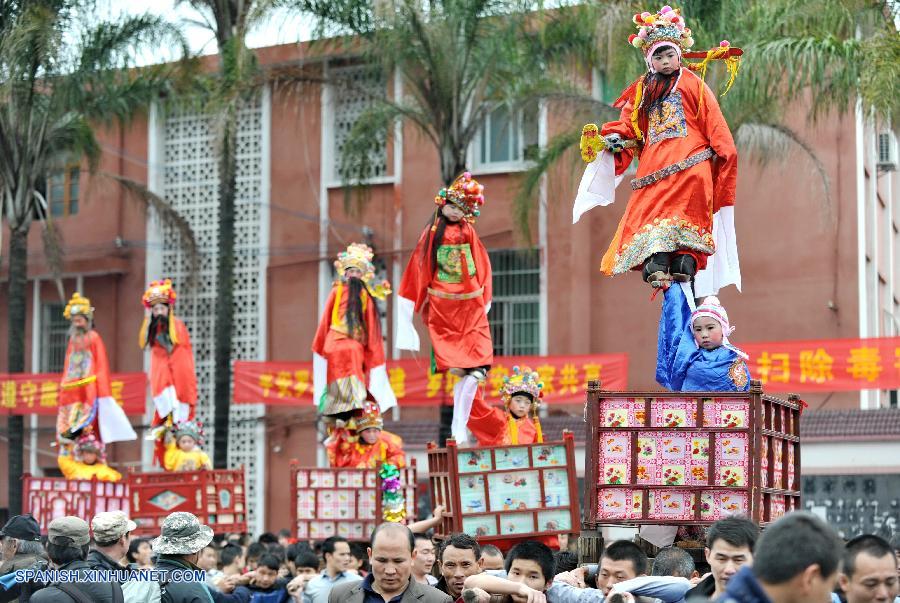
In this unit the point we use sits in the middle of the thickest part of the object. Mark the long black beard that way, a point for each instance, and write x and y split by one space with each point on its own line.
657 88
355 290
435 243
159 332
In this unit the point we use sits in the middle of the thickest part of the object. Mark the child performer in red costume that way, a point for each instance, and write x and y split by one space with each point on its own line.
362 443
494 426
681 210
448 280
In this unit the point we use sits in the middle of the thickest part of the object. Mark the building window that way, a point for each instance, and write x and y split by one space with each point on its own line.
54 338
515 310
350 101
508 137
63 191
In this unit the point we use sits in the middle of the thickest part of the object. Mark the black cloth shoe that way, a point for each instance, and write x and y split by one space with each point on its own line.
683 268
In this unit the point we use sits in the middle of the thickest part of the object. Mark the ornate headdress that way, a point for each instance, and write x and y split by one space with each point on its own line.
370 417
79 306
190 428
89 441
712 308
465 193
523 381
665 28
159 292
359 256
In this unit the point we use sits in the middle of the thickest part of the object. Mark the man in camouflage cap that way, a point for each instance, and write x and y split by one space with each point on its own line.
112 535
67 546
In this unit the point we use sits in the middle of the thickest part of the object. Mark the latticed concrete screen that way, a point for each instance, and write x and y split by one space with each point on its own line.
190 183
515 310
350 101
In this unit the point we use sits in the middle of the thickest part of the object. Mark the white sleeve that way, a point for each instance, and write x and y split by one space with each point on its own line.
380 388
407 338
320 377
598 185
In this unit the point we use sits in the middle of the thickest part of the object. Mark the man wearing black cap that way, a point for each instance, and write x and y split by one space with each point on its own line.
21 549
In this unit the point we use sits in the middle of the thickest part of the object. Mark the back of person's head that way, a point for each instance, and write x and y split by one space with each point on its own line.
278 551
329 544
871 545
267 538
230 553
305 558
31 548
895 542
358 550
531 550
270 561
255 550
625 550
489 550
460 541
566 561
793 543
62 554
284 533
673 561
739 532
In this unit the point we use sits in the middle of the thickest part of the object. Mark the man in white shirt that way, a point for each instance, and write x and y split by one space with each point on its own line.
337 563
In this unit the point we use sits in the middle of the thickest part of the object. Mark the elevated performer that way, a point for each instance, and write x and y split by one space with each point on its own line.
681 211
517 422
87 460
448 281
86 404
348 350
362 442
183 452
173 378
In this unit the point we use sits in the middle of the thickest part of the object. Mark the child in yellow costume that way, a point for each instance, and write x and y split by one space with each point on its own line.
86 459
183 451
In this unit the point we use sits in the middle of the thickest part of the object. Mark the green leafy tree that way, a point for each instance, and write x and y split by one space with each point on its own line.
62 75
457 61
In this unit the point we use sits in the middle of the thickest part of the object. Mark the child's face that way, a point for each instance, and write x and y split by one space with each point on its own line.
527 572
265 577
452 212
309 572
186 443
88 457
370 436
665 60
518 405
707 332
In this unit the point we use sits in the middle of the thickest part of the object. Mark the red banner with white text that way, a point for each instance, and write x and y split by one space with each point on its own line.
564 377
826 365
38 393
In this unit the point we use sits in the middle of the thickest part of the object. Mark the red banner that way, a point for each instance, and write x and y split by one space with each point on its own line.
826 365
565 379
38 393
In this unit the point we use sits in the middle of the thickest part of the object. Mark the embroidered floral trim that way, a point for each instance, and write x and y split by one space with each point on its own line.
738 373
450 259
667 171
663 235
667 120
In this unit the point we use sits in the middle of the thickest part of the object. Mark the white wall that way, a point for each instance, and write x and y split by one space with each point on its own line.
856 458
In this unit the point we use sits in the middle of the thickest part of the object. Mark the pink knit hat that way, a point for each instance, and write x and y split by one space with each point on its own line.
712 308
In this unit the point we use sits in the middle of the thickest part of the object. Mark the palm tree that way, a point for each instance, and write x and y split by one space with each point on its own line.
815 56
237 79
457 61
53 91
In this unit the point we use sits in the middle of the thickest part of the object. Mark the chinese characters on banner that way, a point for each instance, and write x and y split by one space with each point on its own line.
38 393
564 377
826 365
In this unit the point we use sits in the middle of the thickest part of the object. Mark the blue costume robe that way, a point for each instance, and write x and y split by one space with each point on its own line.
683 366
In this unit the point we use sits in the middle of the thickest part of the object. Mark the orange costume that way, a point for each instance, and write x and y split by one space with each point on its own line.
494 426
684 189
348 362
453 296
85 401
347 448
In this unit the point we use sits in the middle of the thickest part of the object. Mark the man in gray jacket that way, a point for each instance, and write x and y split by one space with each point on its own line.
391 556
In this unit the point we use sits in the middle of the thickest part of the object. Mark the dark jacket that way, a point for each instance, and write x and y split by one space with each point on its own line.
415 593
99 592
101 561
744 588
22 591
182 592
704 589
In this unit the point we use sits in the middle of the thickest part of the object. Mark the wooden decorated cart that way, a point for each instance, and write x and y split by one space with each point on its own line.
216 497
505 493
688 458
328 501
